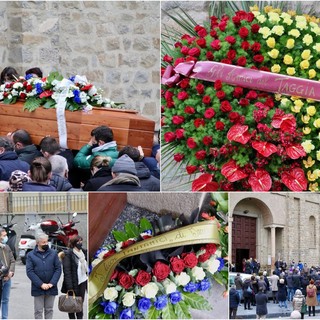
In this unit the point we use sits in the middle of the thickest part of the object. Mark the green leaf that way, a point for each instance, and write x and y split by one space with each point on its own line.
168 312
95 309
145 224
55 75
102 316
196 301
132 230
153 313
120 235
32 103
50 103
182 310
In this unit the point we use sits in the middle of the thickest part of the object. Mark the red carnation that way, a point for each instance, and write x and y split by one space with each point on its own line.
199 122
189 110
126 281
255 28
177 265
256 47
249 16
167 58
183 95
191 143
169 136
222 25
245 45
209 113
23 95
200 155
251 95
236 20
207 140
231 54
178 157
179 133
209 55
206 100
191 169
243 32
259 58
200 88
225 106
230 39
190 259
219 125
215 44
237 92
241 61
201 43
161 270
226 61
220 95
244 102
127 243
177 120
202 32
218 85
184 50
234 117
184 83
143 278
194 52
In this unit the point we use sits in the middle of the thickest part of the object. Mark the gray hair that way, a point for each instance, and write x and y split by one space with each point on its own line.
59 165
6 143
41 236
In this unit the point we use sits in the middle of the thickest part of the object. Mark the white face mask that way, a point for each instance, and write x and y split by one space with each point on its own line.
4 240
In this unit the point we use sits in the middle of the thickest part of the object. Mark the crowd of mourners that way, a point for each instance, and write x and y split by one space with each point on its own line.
97 166
294 284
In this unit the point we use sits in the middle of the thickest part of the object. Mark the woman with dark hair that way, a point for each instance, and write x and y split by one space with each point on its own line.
75 271
8 74
40 173
33 73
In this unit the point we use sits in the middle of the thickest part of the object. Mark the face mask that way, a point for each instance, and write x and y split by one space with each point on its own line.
95 145
45 247
4 240
79 246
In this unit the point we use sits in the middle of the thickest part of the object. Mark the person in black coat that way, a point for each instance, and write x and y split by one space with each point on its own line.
234 301
247 293
75 271
282 293
261 304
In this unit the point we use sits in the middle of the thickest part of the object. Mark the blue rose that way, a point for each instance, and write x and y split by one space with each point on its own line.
175 297
76 97
29 76
110 307
38 87
127 314
72 78
191 287
221 264
204 285
161 302
144 305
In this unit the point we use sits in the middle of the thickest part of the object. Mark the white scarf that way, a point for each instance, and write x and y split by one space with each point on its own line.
82 266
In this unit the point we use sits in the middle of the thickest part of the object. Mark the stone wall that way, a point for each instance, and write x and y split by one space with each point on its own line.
114 43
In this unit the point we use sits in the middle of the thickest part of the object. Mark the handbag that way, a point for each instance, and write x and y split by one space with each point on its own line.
70 303
304 308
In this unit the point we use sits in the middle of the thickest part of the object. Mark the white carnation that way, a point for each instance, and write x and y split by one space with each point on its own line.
17 85
198 273
110 294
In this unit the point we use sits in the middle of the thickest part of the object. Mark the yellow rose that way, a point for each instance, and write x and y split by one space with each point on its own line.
305 55
312 73
291 71
278 30
273 17
316 172
313 187
290 43
309 162
261 18
306 130
285 102
316 47
307 146
316 30
254 8
305 119
298 102
271 42
318 63
294 32
295 109
304 64
285 15
277 96
318 155
273 53
300 18
307 39
265 31
275 68
311 110
287 59
301 25
267 9
292 13
316 123
288 21
311 176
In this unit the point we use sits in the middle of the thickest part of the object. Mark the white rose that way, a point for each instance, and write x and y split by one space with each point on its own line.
182 279
17 85
150 290
128 299
110 294
198 273
169 286
212 265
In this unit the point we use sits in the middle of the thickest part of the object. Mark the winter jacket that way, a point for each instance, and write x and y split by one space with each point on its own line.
296 281
28 153
274 282
148 181
70 272
311 301
261 304
297 302
102 176
9 162
289 281
234 298
35 186
43 267
60 183
7 258
86 153
282 292
246 285
238 282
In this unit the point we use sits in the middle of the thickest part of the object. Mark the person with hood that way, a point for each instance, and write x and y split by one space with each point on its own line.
282 293
101 143
43 268
234 301
247 293
311 301
261 304
298 301
124 176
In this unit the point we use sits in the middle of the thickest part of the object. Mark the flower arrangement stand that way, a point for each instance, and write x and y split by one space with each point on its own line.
129 128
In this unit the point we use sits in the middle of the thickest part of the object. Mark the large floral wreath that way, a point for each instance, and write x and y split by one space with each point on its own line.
237 138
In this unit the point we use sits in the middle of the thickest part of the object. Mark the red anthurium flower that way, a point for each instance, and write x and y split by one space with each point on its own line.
295 179
286 122
239 133
45 94
264 148
205 183
295 151
232 171
260 180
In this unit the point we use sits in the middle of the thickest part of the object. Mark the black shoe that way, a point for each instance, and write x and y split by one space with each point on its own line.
249 308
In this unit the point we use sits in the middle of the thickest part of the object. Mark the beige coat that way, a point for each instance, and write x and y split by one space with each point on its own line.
311 301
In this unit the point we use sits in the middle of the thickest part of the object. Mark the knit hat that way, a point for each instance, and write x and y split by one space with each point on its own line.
124 165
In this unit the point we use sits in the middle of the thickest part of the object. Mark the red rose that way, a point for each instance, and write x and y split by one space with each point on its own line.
255 28
177 265
244 102
226 61
143 278
202 32
201 43
225 106
184 50
206 100
169 137
251 95
200 155
191 169
200 88
237 92
211 248
182 95
177 120
179 60
199 122
191 143
231 54
249 16
209 55
256 47
234 117
215 45
194 52
222 25
29 88
179 133
184 83
23 95
126 281
189 110
207 140
190 259
213 33
241 61
245 45
109 253
204 257
209 113
114 275
167 58
230 39
219 125
178 45
220 94
243 32
127 243
161 270
259 58
178 157
236 20
218 85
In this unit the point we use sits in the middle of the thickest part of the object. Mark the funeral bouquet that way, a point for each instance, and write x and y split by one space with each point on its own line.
164 283
77 91
233 136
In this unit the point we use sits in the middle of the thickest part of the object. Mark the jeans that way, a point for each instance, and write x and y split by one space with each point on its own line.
240 294
290 293
6 286
283 304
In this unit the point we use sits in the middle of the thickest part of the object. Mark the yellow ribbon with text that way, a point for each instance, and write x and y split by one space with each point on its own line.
202 232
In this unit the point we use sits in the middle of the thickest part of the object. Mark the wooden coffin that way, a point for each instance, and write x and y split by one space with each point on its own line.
129 128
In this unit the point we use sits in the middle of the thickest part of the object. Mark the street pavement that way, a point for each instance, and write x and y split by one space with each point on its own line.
21 301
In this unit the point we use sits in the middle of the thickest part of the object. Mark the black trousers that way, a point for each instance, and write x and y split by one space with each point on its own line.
82 291
313 311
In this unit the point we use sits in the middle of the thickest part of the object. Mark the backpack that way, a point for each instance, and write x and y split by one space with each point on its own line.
310 292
